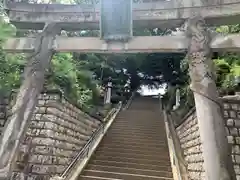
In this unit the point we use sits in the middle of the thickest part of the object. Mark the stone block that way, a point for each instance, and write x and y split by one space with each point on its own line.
42 150
237 169
237 123
230 139
38 117
40 169
226 106
41 102
236 149
65 152
237 159
230 122
238 114
37 124
192 150
234 131
237 139
194 174
232 114
193 158
234 106
33 132
61 160
195 166
225 113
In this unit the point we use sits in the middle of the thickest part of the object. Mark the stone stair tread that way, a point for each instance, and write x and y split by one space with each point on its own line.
134 134
133 144
127 154
129 170
126 149
134 139
134 160
145 147
125 176
132 156
82 177
132 165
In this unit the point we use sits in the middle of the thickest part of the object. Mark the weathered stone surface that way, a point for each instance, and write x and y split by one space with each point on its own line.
150 14
145 44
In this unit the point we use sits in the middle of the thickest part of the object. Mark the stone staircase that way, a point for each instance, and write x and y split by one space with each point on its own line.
134 148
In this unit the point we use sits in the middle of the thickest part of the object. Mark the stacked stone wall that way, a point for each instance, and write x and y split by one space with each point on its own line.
57 132
232 117
189 137
3 112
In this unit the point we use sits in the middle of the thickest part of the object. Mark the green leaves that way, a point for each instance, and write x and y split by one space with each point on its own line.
73 78
6 29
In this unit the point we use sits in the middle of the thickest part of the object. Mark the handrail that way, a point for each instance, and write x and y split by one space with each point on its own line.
85 150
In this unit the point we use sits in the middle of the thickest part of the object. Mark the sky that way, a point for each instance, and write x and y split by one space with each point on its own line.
145 91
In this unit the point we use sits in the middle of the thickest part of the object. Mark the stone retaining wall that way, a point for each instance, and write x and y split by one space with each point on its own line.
57 132
189 137
3 112
232 117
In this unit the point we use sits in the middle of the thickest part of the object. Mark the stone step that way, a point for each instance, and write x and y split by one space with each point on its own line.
124 176
162 167
133 160
134 143
137 129
130 133
132 146
129 170
143 135
95 178
142 125
129 151
135 139
107 154
126 149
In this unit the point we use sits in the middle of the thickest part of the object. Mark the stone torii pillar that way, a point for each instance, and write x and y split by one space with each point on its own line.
216 153
26 100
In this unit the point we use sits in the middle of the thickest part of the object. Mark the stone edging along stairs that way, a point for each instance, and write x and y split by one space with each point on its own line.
134 148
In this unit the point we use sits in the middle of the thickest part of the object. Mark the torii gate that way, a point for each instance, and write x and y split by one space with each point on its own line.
158 14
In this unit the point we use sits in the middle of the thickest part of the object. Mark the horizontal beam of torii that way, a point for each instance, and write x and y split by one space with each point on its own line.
139 44
160 14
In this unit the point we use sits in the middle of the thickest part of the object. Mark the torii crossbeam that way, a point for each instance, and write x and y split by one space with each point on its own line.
157 14
138 44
